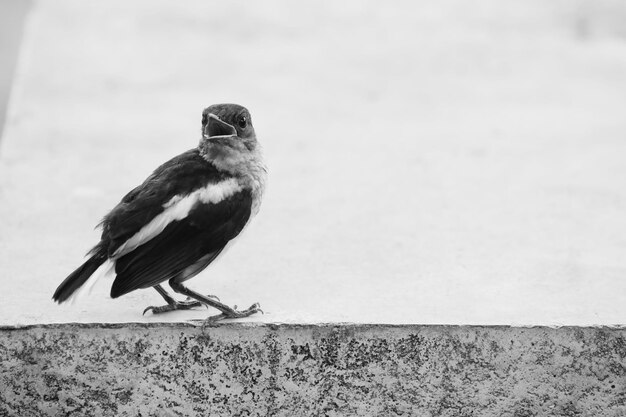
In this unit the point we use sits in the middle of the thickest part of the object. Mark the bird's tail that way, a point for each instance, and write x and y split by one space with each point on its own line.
77 278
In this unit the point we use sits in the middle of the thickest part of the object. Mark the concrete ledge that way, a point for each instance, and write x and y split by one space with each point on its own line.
292 370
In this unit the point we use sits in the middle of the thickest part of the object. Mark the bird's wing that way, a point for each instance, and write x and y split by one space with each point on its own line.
203 232
177 177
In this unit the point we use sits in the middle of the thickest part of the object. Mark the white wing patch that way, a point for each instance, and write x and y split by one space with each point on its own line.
177 208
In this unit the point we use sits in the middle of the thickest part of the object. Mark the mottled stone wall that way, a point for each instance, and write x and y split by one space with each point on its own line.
291 370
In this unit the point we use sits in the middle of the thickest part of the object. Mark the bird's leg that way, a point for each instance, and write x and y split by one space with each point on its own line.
227 312
172 304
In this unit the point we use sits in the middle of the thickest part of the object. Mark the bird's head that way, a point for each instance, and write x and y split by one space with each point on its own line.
228 137
229 125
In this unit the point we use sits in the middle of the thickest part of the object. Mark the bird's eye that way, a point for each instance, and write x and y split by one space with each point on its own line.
242 122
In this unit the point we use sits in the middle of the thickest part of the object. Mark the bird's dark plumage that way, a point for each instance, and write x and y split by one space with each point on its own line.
77 278
183 215
178 176
206 230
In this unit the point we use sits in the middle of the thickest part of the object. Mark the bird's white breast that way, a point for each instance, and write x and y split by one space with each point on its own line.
255 179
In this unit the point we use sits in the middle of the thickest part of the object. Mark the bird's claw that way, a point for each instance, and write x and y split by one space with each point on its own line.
157 309
233 314
178 305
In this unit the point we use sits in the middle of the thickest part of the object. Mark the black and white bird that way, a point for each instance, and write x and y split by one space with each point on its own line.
182 217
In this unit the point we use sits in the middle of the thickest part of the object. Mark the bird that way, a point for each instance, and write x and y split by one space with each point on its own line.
181 218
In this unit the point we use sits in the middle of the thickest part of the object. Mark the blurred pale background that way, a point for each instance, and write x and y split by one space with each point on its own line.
432 162
12 13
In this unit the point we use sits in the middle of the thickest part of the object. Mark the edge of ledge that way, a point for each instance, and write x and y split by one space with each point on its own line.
192 324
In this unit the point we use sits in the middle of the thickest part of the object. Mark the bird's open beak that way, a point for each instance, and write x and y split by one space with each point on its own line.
216 128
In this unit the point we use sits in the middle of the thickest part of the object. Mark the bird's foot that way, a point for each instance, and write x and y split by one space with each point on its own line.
234 314
177 305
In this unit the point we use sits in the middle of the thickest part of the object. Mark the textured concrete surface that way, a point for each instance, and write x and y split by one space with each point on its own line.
328 370
430 162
